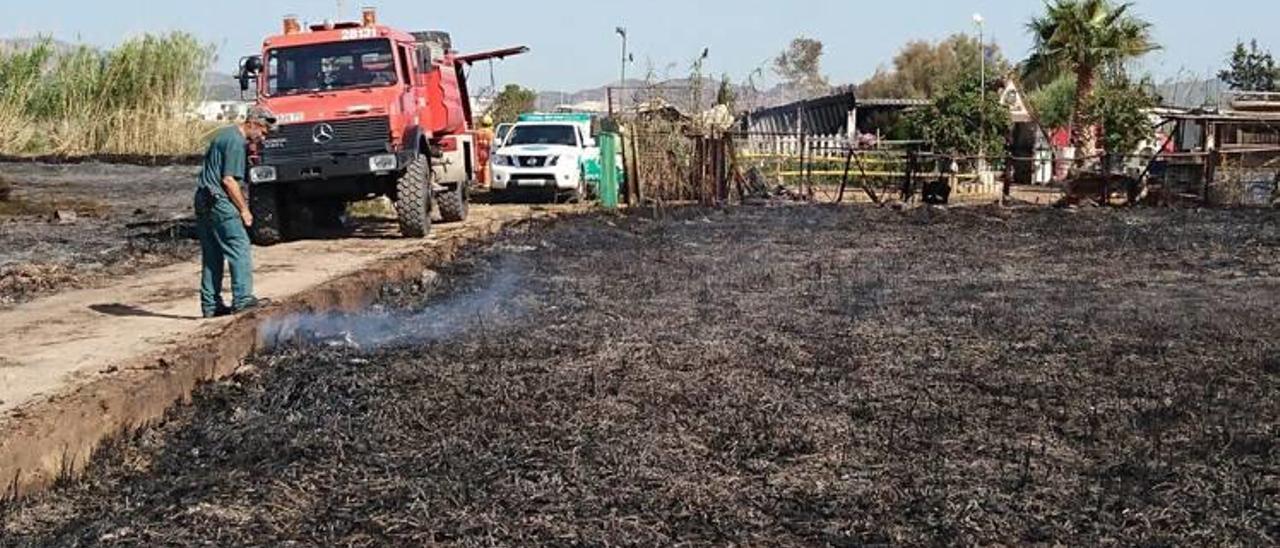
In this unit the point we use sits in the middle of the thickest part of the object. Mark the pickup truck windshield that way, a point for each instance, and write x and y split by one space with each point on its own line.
543 135
328 67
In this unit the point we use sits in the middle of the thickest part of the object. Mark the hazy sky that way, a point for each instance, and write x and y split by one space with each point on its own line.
574 45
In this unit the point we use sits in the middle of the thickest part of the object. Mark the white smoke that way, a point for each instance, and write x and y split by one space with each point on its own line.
450 316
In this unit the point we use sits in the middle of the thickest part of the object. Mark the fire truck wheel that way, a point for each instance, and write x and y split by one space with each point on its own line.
413 199
453 204
268 226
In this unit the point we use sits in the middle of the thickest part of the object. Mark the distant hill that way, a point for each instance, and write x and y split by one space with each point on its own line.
221 87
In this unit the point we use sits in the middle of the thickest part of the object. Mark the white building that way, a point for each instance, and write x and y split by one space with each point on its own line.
221 111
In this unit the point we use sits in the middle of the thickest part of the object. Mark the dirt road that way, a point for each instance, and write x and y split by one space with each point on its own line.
767 376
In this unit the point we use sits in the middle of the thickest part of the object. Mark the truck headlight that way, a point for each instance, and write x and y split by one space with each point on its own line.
262 174
503 160
383 162
553 160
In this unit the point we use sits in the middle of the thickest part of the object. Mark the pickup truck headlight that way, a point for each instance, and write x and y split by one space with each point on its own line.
262 174
504 160
383 162
553 160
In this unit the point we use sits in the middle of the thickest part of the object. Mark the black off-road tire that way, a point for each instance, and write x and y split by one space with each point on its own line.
453 204
413 199
268 221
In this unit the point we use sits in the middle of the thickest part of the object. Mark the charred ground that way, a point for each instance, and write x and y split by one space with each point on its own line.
127 219
765 376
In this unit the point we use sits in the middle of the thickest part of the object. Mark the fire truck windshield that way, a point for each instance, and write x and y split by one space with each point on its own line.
327 67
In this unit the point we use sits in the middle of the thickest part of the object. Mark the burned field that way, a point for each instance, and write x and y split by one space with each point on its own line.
764 376
74 225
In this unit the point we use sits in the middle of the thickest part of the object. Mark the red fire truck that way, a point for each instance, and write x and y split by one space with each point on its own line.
365 110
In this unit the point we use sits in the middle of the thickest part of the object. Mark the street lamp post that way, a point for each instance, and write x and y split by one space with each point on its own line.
622 31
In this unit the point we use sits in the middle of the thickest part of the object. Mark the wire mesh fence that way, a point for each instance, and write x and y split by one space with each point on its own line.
835 168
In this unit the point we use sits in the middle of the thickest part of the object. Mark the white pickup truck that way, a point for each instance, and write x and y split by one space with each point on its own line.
548 152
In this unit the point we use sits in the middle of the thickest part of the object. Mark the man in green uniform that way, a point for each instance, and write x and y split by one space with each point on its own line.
222 216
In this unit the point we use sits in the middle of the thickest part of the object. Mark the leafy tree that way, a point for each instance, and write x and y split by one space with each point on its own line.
1251 69
800 67
1053 103
921 69
959 119
511 102
1119 108
1082 37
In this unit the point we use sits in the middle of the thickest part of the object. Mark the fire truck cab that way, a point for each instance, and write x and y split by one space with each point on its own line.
365 110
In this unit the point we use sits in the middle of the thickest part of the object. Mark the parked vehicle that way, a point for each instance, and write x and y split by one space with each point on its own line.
552 153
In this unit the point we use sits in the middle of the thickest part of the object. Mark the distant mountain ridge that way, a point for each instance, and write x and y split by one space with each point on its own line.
221 87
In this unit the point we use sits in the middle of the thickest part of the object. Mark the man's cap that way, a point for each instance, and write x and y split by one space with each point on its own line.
261 115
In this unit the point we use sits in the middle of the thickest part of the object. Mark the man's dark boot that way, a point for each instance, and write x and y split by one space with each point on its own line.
250 305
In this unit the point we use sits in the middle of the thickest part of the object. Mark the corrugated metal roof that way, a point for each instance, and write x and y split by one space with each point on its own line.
824 115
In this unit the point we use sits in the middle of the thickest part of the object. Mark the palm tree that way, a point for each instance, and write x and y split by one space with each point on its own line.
1082 37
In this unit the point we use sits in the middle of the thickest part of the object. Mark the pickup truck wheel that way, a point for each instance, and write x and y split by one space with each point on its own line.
268 225
580 192
453 204
413 199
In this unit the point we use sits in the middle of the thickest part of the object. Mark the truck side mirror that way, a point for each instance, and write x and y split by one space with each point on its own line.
590 142
250 67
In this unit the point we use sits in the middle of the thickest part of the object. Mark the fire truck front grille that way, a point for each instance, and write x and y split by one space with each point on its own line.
322 138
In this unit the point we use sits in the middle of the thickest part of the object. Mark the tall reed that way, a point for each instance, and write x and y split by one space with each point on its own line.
132 99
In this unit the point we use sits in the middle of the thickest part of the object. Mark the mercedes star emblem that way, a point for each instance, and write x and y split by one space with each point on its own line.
322 134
